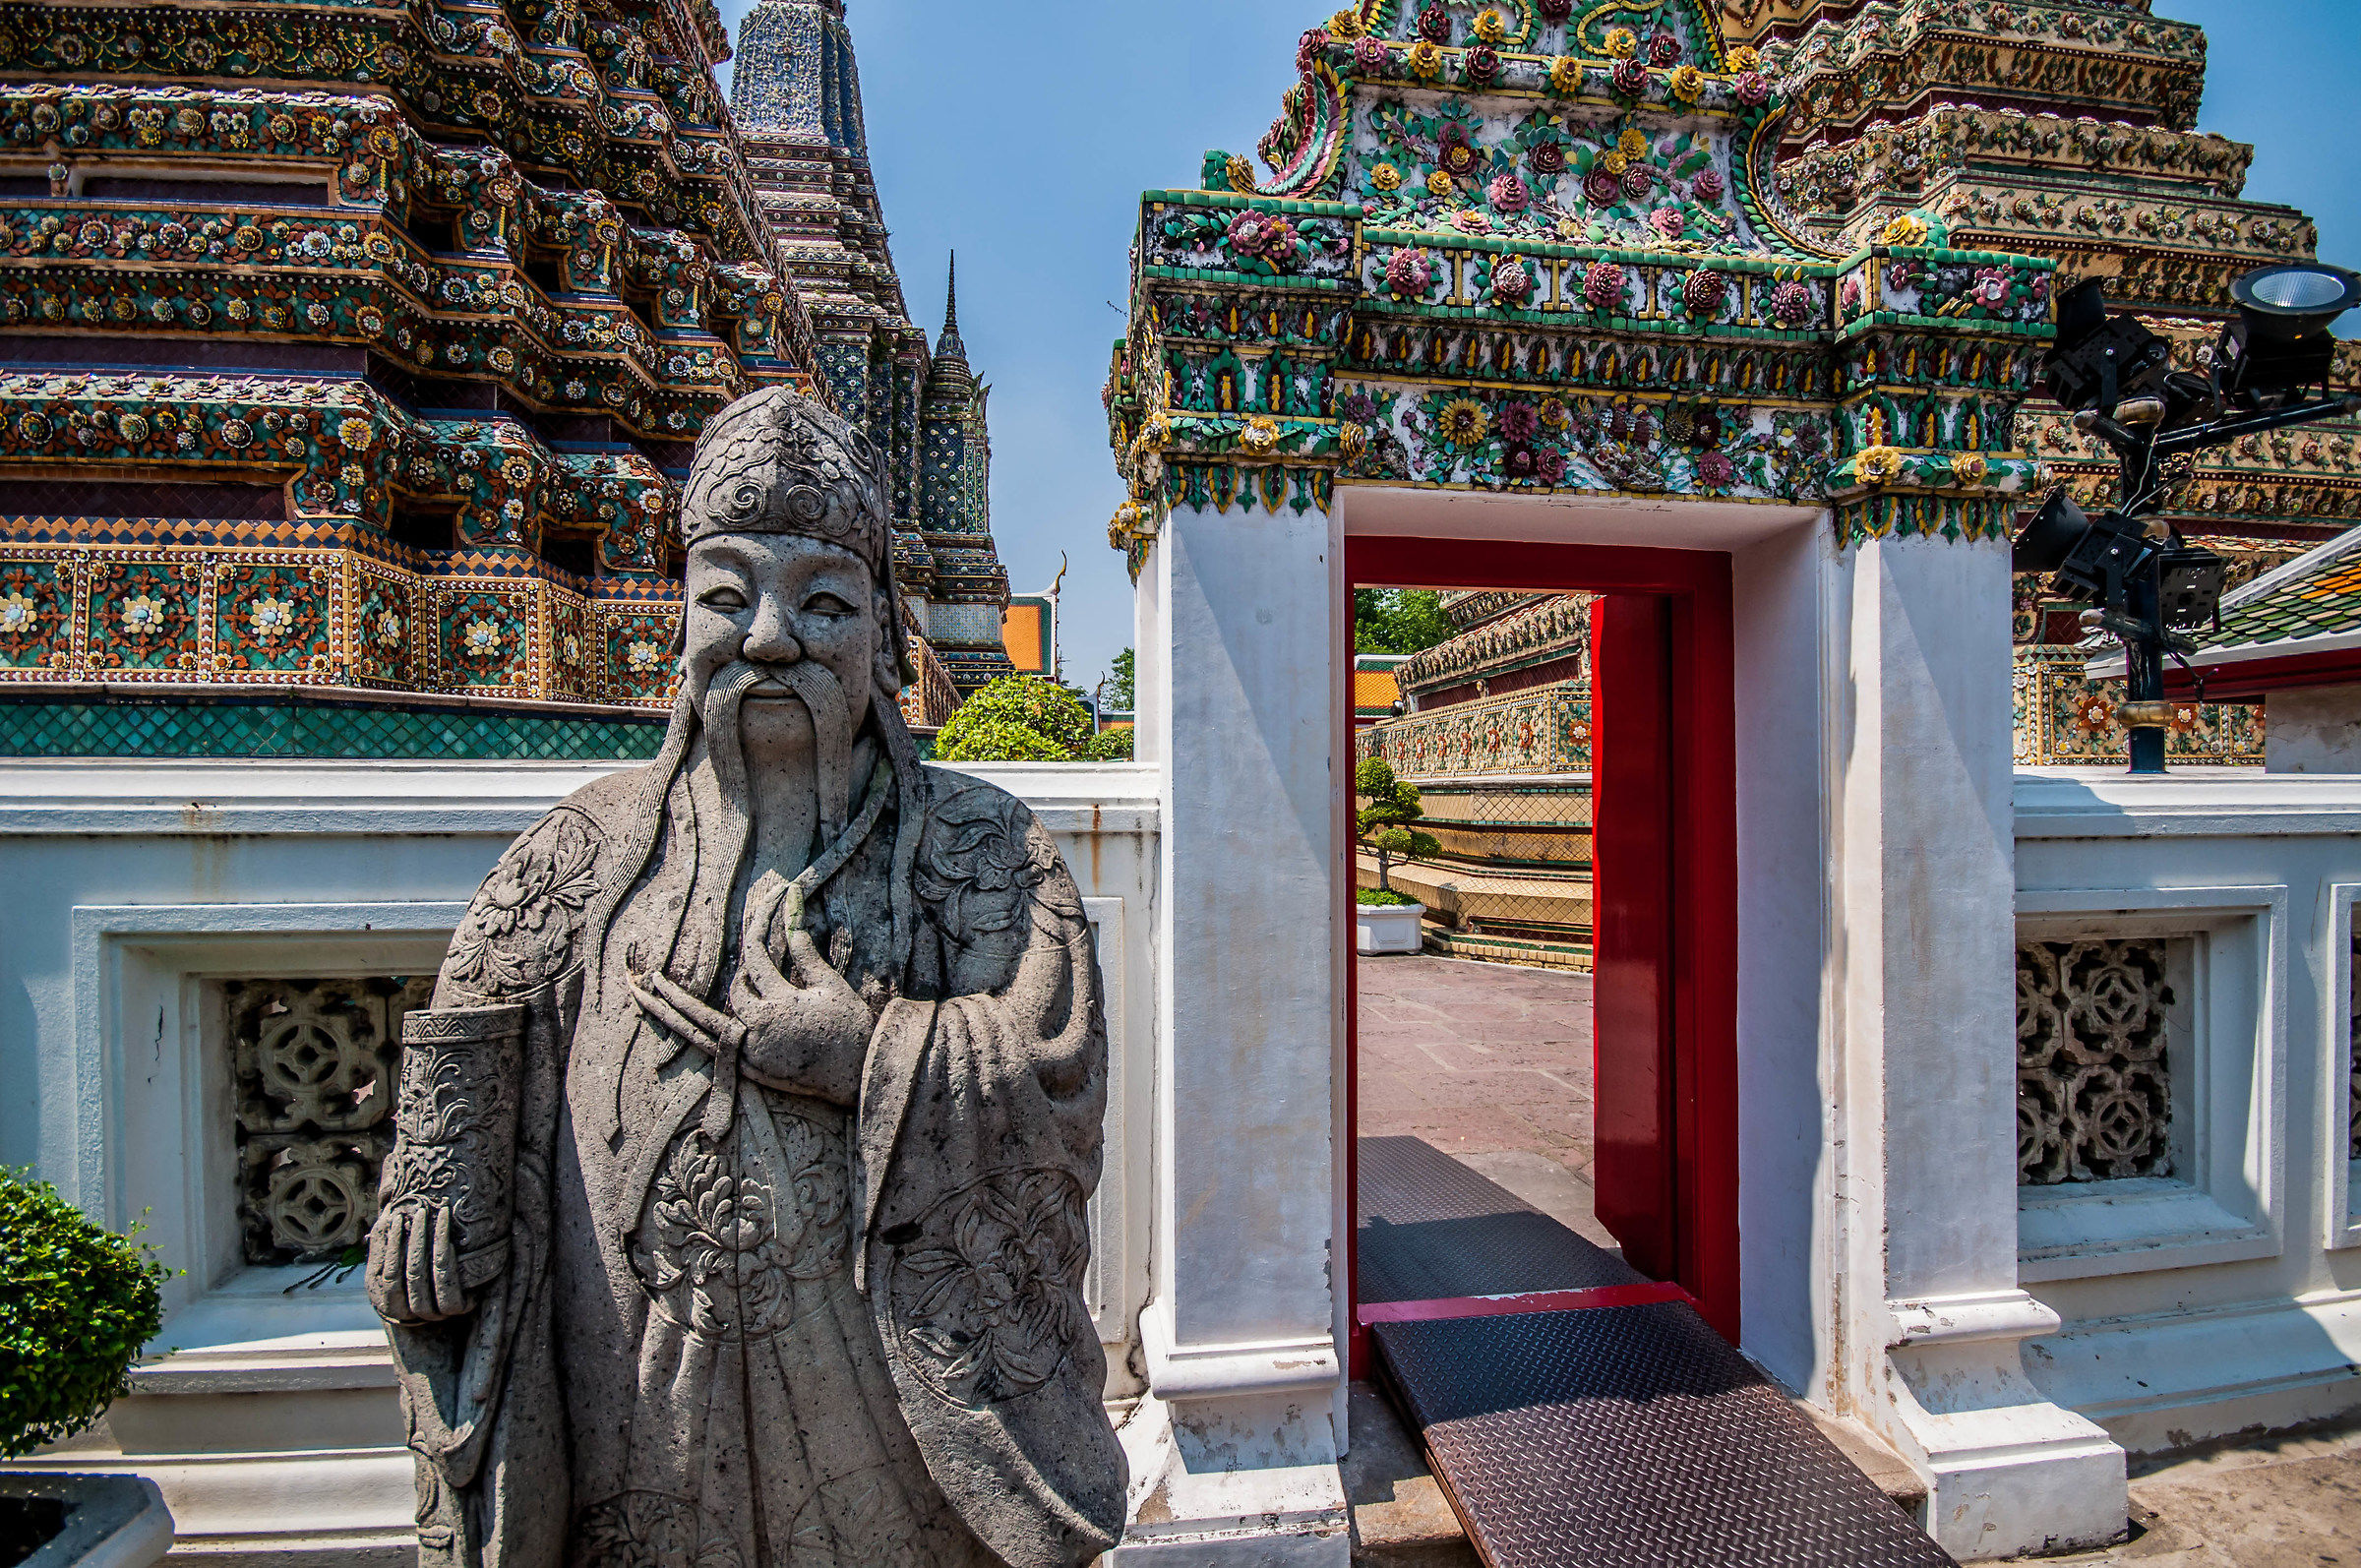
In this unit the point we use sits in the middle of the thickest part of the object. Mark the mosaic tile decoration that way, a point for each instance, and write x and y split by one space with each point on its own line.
2064 719
317 730
219 615
1543 729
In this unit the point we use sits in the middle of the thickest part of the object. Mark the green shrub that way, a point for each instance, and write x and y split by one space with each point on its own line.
1018 719
1384 898
1110 746
76 1305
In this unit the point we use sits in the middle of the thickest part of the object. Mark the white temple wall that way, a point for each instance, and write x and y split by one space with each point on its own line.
2227 1293
1786 1064
2313 730
132 887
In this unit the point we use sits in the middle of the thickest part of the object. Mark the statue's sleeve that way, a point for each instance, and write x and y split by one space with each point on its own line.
980 1124
476 1119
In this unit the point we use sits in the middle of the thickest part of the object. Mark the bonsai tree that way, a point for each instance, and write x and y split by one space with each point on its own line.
1018 719
1385 820
76 1305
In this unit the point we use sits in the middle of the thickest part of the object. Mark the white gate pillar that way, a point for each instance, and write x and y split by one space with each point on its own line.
1235 1453
1923 1006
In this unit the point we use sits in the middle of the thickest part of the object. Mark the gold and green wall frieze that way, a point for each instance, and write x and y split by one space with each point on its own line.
2066 719
216 617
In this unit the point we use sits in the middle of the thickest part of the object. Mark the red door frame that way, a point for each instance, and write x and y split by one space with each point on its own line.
1669 928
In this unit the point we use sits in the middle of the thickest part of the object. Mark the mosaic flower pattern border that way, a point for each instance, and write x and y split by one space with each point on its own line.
224 616
2064 719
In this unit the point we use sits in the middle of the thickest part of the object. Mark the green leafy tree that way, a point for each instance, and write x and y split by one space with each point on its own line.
1399 620
1122 689
1110 746
77 1302
1018 719
1385 820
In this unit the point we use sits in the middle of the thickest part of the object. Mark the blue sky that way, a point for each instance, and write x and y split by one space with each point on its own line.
1022 135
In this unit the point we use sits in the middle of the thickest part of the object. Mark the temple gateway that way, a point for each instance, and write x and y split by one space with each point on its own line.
1954 1095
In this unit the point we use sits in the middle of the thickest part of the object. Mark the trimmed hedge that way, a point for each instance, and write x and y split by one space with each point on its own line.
77 1302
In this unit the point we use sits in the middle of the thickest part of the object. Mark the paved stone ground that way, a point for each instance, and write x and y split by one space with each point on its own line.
1477 1059
2290 1501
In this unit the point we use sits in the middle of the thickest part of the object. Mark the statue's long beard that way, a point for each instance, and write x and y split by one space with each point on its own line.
721 706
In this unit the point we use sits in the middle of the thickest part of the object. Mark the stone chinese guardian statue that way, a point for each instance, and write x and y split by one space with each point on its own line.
735 1218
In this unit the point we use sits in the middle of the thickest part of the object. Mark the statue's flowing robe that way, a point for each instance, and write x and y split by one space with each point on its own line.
830 1336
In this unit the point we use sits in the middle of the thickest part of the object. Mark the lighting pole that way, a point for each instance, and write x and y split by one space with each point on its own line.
2148 584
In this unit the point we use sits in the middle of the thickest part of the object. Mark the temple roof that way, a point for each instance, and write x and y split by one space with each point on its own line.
2316 595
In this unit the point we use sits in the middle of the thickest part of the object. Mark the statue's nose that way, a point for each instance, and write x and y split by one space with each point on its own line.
770 641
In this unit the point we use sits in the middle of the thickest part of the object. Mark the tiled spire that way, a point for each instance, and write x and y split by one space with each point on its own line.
948 346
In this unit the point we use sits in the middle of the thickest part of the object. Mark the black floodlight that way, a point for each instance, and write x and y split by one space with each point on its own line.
2297 300
2098 360
2110 554
2081 311
2189 588
2279 347
2052 534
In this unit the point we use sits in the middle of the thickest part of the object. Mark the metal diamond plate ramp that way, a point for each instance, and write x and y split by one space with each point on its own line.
1432 1228
1611 1437
1632 1436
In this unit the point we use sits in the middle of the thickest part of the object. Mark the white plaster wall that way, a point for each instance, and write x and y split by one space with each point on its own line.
2315 730
1920 997
271 1425
2237 1301
1786 1065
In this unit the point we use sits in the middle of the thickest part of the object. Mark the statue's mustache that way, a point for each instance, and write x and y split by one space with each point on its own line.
822 697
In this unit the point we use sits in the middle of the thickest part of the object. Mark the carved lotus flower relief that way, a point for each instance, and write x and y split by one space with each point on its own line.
994 1305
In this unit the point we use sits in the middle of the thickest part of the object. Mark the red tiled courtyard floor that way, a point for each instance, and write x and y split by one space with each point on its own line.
1477 1059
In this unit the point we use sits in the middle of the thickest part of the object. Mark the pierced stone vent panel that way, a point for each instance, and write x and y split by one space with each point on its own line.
315 1063
2093 1086
2353 1050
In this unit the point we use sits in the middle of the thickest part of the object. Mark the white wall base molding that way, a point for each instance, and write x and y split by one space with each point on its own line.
1236 1478
2163 1380
2008 1471
326 1509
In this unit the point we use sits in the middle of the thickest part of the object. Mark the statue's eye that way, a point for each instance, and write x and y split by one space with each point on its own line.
827 604
726 599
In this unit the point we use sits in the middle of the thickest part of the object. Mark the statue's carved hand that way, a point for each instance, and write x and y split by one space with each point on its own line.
807 1030
414 1265
804 1031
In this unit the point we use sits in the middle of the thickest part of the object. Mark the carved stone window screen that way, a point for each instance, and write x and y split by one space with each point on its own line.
2095 1088
313 1064
2353 1038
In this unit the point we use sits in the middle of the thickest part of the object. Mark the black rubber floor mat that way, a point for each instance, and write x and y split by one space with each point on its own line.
1632 1437
1431 1228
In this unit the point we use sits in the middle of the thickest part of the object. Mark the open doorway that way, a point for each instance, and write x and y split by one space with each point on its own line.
1565 1029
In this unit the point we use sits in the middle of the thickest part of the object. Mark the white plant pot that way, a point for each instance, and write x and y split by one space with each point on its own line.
1386 928
112 1521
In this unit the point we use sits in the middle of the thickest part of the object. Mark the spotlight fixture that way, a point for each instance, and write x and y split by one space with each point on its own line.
2148 586
2098 359
2279 347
